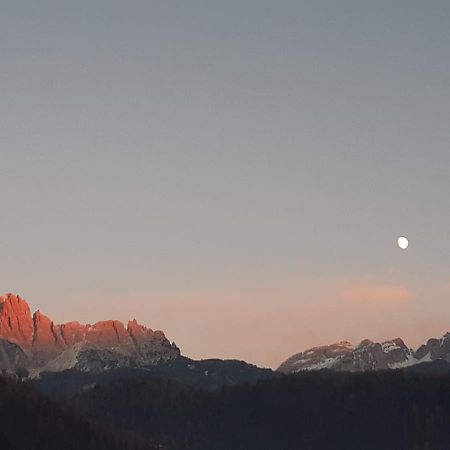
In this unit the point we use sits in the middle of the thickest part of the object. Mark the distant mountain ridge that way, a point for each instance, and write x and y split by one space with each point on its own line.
34 343
368 355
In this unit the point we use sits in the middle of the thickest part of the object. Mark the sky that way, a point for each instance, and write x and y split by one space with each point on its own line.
235 173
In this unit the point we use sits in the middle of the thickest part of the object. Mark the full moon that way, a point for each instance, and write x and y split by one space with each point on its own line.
403 242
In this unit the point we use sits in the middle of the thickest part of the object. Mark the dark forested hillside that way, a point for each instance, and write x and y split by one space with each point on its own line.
31 422
310 411
207 373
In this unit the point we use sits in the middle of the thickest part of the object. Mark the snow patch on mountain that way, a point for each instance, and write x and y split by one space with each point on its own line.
368 355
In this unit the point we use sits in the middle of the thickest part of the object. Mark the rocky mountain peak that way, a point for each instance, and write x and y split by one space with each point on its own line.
139 332
365 343
47 337
316 358
435 349
37 343
16 324
108 333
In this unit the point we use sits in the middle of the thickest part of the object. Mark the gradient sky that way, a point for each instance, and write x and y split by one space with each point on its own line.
235 173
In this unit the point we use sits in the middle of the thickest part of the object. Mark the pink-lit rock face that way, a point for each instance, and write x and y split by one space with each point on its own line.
73 332
47 337
148 343
108 333
16 324
139 333
59 347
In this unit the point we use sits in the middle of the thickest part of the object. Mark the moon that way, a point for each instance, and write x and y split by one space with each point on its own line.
403 242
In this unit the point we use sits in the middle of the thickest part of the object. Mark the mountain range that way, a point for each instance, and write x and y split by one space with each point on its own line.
36 344
33 345
368 355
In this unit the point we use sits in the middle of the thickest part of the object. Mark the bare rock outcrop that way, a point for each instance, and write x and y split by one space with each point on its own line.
16 324
36 343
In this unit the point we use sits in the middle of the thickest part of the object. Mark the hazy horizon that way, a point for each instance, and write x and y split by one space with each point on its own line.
235 174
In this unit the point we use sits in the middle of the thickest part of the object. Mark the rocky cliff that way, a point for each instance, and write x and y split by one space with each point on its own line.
35 343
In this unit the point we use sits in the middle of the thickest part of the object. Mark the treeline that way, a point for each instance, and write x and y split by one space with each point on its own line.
29 421
395 410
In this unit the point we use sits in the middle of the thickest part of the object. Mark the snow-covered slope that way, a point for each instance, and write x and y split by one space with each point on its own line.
324 357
